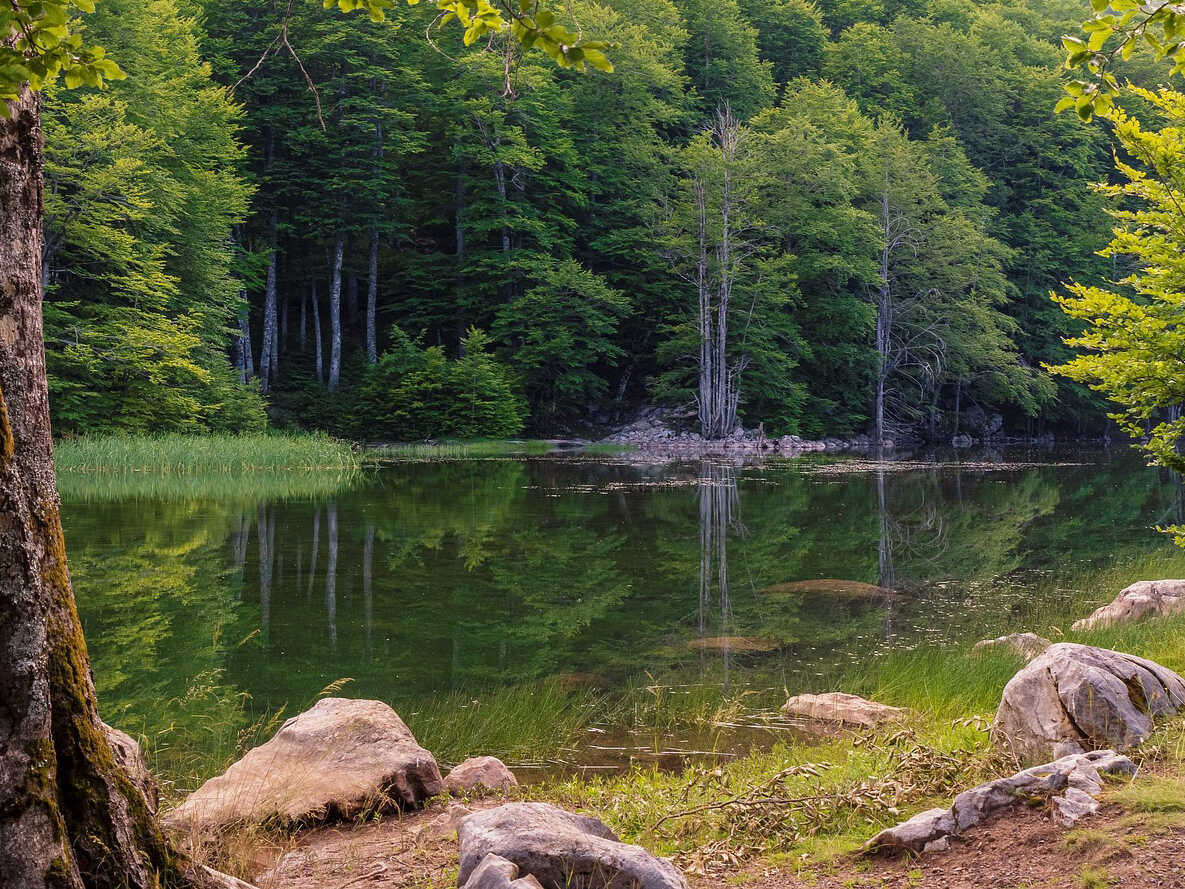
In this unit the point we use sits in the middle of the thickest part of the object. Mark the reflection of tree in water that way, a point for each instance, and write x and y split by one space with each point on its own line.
719 513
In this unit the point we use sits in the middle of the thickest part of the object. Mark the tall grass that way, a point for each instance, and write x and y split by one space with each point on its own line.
204 454
530 722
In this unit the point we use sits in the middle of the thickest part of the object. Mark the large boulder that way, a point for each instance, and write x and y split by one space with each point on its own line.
838 707
129 758
1146 598
480 772
560 850
1071 784
1025 645
498 873
1073 698
340 759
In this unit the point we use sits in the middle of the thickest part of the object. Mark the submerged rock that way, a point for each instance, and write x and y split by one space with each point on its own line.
735 643
1072 783
340 759
478 772
560 849
835 706
1027 645
129 758
1146 598
1073 698
831 586
495 872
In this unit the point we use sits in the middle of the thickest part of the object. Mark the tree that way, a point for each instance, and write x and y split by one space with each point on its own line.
1132 332
790 34
723 61
560 334
710 239
144 187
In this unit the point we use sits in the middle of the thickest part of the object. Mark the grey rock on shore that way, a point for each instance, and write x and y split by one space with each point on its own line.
337 760
1027 645
1071 783
560 849
1145 598
1073 698
480 772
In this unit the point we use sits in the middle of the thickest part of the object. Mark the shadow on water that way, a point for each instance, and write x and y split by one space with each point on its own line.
530 607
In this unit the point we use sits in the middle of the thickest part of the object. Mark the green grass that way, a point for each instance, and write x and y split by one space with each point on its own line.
175 454
524 723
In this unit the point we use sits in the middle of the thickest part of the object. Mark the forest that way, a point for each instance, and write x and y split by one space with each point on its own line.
817 218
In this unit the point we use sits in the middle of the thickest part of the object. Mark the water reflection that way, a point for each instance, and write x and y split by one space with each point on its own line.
431 579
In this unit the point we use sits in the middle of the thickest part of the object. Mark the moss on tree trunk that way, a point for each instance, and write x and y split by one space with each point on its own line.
69 817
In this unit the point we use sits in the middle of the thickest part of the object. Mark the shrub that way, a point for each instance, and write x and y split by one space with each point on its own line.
414 393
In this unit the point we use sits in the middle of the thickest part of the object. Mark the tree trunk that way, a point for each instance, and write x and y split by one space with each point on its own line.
304 322
69 817
320 361
267 352
335 315
884 316
372 295
352 311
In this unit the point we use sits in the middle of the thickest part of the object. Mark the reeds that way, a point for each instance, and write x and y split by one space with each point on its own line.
176 454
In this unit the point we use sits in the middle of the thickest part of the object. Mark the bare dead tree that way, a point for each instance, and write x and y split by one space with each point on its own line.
909 342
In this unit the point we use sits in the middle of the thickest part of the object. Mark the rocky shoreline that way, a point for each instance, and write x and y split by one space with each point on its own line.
663 432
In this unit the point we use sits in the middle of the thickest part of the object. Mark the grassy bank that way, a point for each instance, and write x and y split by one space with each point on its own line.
174 454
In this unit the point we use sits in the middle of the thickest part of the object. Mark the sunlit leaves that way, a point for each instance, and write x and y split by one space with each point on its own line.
1117 29
42 46
1132 340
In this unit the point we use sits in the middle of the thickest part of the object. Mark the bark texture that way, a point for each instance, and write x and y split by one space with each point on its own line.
69 817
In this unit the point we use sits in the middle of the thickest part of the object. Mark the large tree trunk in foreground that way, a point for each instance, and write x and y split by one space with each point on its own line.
69 817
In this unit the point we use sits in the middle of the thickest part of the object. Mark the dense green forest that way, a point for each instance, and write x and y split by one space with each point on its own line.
830 217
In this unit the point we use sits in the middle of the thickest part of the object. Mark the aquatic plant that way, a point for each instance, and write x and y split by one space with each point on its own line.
212 454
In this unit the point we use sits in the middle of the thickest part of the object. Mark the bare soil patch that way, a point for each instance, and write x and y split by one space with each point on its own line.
1016 849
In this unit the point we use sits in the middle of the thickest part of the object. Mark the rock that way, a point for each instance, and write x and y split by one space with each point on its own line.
1073 805
1073 698
734 643
1071 783
916 833
1147 598
498 873
340 759
835 706
942 844
1027 645
129 758
480 771
831 586
560 849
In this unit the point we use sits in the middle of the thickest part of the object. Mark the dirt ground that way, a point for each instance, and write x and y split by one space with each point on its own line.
1019 849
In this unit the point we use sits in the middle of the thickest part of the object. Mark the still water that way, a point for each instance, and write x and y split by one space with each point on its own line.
457 581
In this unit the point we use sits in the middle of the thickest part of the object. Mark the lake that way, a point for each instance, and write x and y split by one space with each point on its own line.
578 613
